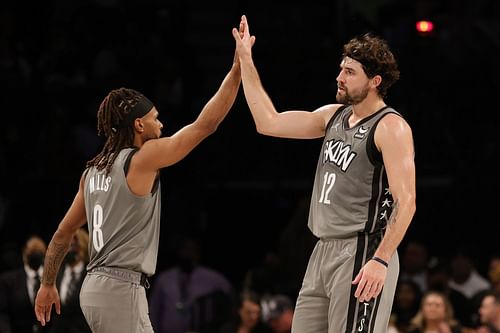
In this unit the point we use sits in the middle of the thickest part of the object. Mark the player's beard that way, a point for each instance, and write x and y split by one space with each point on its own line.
353 98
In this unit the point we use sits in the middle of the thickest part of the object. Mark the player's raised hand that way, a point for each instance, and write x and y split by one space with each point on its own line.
244 41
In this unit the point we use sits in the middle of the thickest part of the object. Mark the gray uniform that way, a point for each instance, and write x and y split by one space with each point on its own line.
124 234
350 207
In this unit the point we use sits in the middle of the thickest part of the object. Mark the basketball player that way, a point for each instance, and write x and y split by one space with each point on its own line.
119 197
364 190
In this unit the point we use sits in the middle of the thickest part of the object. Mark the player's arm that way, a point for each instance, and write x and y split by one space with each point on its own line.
394 138
74 219
58 247
289 124
156 154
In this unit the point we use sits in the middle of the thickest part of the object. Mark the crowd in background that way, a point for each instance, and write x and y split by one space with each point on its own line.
434 294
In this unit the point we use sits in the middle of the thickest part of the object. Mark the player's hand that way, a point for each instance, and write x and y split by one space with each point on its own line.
370 281
244 41
46 296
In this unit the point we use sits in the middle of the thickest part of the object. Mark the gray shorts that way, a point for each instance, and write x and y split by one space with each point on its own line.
112 305
326 302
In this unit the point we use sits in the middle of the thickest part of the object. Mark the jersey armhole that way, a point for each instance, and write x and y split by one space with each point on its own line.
335 115
126 165
374 154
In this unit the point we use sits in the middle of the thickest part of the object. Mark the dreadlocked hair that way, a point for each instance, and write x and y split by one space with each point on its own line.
110 116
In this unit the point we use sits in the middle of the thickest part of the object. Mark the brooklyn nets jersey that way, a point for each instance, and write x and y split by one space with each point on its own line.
351 192
124 228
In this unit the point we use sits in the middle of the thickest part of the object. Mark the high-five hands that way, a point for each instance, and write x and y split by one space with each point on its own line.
244 41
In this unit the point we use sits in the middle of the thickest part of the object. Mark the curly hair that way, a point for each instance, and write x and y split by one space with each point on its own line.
376 58
111 122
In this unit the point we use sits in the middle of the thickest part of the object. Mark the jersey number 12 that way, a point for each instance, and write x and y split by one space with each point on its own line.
328 181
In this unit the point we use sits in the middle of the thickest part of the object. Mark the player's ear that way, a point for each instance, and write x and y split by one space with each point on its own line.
376 81
138 125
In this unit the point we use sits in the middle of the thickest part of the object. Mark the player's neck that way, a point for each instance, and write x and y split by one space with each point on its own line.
138 141
371 104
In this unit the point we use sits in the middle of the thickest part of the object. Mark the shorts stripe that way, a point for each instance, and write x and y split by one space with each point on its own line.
358 263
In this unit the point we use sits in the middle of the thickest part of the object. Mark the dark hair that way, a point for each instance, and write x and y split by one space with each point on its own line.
110 116
376 58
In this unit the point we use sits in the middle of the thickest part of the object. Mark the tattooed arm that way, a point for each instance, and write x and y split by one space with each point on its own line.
393 138
58 247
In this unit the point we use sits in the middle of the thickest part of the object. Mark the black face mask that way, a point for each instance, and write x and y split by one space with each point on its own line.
35 260
71 257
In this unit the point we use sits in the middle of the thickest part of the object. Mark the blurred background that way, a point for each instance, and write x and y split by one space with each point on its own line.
243 195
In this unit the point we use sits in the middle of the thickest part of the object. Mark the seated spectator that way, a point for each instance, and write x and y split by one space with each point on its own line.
464 277
439 280
489 313
494 272
435 315
247 317
406 303
278 313
414 263
178 293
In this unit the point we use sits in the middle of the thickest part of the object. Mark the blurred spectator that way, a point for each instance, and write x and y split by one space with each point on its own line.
439 280
494 272
295 245
406 304
278 313
265 277
18 288
489 313
464 277
247 317
435 315
414 263
188 296
69 283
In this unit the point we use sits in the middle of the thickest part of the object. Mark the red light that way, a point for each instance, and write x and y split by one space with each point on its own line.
425 26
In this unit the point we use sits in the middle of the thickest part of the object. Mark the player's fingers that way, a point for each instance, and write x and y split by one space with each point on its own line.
40 316
371 291
378 289
360 288
48 310
246 26
236 34
357 278
58 307
365 294
252 40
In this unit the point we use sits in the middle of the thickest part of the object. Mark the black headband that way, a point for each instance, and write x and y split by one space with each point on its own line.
139 110
370 67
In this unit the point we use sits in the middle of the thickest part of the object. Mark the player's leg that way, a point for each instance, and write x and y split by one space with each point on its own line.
311 309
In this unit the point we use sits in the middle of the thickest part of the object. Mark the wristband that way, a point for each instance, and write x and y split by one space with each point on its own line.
382 261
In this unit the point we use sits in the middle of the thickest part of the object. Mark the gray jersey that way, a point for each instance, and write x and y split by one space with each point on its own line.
351 192
124 228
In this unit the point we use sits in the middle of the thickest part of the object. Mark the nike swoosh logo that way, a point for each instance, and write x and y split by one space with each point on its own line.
362 130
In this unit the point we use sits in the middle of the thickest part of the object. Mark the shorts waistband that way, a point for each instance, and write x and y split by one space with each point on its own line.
122 274
377 233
